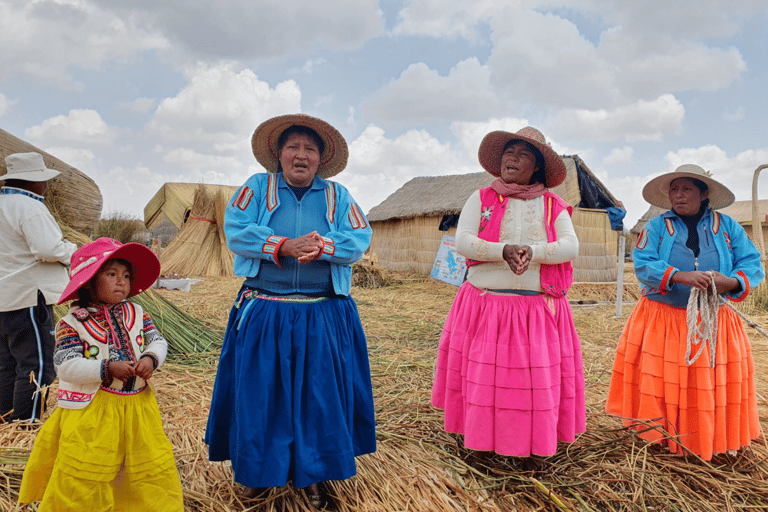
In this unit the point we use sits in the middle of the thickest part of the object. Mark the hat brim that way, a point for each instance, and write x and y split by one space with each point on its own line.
265 138
493 144
145 269
656 191
37 175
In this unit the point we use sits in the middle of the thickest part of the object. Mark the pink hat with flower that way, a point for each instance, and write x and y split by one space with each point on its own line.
493 144
87 260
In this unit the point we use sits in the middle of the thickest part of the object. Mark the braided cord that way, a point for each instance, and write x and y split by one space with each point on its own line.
701 317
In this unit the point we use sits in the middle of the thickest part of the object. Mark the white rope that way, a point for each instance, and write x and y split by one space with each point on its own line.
702 322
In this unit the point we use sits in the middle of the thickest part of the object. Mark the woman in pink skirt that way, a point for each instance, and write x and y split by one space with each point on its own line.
509 374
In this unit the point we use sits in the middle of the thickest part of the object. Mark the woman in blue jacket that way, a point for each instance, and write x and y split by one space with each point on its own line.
292 399
697 389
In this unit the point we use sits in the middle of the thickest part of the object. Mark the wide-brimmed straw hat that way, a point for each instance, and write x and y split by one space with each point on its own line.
265 138
656 191
27 167
493 144
87 260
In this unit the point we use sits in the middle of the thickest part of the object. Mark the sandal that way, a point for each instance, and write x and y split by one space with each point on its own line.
318 496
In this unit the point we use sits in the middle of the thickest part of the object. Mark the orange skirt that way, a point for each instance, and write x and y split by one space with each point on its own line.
706 410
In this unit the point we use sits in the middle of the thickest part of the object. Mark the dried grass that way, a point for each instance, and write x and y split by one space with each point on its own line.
418 466
200 248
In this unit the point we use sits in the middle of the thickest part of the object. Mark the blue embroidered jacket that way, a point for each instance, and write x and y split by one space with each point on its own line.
250 237
737 255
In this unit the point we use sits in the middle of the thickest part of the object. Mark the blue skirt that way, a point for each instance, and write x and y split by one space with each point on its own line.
292 399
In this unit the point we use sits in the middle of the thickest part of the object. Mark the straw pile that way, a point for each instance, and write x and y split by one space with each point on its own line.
72 194
418 466
200 248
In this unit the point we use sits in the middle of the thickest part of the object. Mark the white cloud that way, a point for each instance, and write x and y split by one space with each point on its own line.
643 120
137 106
378 166
619 156
443 18
78 128
309 66
49 38
5 104
421 94
234 29
219 108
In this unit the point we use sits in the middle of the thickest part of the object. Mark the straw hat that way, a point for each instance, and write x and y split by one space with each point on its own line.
493 144
264 143
27 167
656 191
87 260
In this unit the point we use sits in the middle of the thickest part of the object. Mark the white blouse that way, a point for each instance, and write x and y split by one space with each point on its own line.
522 224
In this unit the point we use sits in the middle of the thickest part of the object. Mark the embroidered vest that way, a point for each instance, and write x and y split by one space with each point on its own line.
556 279
96 347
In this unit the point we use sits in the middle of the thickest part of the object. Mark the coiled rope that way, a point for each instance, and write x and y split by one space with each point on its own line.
701 317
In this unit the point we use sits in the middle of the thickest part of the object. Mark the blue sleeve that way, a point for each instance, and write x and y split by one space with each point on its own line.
747 267
650 269
245 236
351 234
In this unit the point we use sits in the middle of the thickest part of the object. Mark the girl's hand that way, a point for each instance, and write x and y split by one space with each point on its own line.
121 370
145 367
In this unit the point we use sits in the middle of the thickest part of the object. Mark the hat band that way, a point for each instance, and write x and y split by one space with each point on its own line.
81 266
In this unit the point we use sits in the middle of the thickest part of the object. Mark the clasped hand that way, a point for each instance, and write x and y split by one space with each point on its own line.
305 248
518 257
123 370
702 280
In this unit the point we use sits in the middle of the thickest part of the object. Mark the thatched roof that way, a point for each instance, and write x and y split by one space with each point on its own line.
74 197
741 211
430 196
443 195
174 200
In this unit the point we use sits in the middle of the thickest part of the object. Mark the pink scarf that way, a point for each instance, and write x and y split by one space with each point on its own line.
516 191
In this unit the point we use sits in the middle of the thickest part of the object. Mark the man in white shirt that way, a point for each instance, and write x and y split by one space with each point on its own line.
33 273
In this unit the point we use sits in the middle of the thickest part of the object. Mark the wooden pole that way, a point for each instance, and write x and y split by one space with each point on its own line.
757 221
620 276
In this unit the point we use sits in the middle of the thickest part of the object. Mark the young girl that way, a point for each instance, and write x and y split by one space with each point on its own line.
104 447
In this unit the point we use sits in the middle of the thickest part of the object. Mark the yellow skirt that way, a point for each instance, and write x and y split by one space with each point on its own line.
706 410
112 455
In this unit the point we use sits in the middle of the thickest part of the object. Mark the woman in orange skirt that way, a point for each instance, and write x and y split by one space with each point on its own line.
691 388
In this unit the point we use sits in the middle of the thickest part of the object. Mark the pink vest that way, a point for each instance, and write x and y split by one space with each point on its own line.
556 279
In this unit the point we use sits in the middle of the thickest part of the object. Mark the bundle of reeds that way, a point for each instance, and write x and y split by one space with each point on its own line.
74 195
200 248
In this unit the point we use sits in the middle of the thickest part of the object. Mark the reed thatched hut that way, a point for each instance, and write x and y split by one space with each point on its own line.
741 211
200 248
74 197
174 201
409 225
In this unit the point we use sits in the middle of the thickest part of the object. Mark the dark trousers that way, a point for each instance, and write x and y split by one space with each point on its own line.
26 347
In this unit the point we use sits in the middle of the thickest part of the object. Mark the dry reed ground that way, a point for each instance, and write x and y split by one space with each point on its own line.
419 467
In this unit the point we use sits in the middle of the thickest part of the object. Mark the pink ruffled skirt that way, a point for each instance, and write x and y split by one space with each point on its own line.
509 373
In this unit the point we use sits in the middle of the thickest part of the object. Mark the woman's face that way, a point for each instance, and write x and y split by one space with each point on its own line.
518 163
299 158
686 197
112 283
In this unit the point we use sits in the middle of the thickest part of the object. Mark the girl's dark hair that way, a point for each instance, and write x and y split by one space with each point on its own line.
86 294
540 175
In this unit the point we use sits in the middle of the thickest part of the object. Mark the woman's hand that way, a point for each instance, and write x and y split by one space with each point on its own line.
702 279
518 257
145 367
121 370
305 248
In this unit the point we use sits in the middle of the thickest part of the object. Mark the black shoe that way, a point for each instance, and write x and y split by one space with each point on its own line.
253 493
318 497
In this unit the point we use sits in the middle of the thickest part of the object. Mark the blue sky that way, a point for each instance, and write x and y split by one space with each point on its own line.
136 93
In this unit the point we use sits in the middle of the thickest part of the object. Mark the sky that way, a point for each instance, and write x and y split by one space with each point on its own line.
137 93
